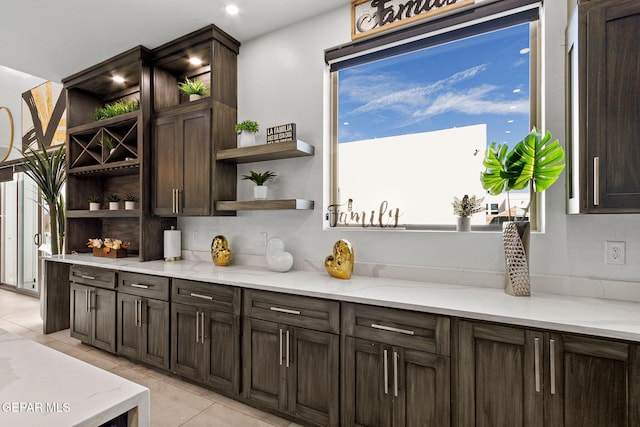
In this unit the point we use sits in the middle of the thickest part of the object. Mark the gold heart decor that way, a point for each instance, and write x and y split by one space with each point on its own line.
220 252
340 264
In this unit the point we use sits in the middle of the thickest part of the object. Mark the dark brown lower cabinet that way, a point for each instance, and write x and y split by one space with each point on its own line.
386 385
205 346
292 369
93 316
509 376
143 329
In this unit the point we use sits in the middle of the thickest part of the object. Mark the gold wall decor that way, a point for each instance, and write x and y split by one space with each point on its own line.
220 252
44 116
383 217
11 132
340 264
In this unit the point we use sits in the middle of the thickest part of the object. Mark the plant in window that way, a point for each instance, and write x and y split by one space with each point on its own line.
193 87
467 206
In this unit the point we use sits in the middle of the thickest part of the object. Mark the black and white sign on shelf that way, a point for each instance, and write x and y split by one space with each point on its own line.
281 133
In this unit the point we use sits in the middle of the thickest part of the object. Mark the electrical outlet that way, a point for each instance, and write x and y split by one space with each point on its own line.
194 236
614 252
263 239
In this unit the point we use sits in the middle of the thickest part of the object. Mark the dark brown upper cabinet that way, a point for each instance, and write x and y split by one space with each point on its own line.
186 134
111 156
603 60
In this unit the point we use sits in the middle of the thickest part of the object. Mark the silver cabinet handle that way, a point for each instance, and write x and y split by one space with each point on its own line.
207 297
135 312
136 285
596 181
536 367
395 373
197 327
392 329
140 311
280 346
386 373
87 277
287 349
552 365
87 297
284 310
202 327
173 201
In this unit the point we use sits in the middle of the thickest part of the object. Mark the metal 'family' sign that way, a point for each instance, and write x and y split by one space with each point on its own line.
281 133
369 17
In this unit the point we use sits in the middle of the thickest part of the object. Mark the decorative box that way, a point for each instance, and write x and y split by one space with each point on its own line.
113 253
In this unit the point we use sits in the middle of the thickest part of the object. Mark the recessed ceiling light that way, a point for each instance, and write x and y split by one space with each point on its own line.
118 79
195 61
232 9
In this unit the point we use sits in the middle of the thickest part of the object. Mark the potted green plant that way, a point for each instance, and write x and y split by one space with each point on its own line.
47 170
117 108
246 131
464 208
94 203
534 163
107 144
114 202
130 202
195 88
260 191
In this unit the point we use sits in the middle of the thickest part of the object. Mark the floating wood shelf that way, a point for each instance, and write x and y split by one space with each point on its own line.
259 153
292 204
104 213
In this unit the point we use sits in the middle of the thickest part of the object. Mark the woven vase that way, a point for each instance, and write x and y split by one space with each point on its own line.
515 237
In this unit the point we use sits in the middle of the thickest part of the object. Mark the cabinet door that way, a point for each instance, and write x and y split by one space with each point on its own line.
103 308
592 382
186 350
222 351
264 367
366 401
154 322
167 164
195 192
80 321
313 376
420 384
612 51
129 334
497 381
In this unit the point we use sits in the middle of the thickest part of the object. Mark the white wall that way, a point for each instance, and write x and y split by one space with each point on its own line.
283 78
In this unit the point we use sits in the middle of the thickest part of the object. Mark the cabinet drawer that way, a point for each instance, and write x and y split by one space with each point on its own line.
295 310
93 276
206 295
420 331
144 285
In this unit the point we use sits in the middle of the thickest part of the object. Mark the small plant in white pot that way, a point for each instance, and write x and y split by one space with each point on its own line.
246 131
260 191
464 208
94 203
195 88
114 202
130 202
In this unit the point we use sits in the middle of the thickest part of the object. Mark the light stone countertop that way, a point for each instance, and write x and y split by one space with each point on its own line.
40 386
583 315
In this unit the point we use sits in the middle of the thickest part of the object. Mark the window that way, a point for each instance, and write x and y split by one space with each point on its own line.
411 128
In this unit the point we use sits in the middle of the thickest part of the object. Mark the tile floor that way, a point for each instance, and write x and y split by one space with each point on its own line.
173 402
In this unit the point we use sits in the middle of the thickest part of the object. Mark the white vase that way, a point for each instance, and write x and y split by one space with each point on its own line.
463 223
194 97
246 139
94 206
129 205
260 192
114 206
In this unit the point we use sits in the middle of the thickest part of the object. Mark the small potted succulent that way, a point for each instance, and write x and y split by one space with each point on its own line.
260 191
195 88
464 208
130 202
246 131
114 202
94 203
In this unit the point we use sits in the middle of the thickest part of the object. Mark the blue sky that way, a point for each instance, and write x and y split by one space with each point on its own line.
483 79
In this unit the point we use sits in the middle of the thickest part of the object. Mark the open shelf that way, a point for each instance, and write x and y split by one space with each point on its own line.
127 167
104 213
290 204
259 153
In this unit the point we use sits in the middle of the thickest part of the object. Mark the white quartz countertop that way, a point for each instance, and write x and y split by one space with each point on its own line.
40 386
591 316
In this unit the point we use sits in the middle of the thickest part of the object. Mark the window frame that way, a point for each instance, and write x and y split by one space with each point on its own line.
487 18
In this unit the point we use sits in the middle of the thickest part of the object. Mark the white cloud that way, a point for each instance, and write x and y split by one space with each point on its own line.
473 101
